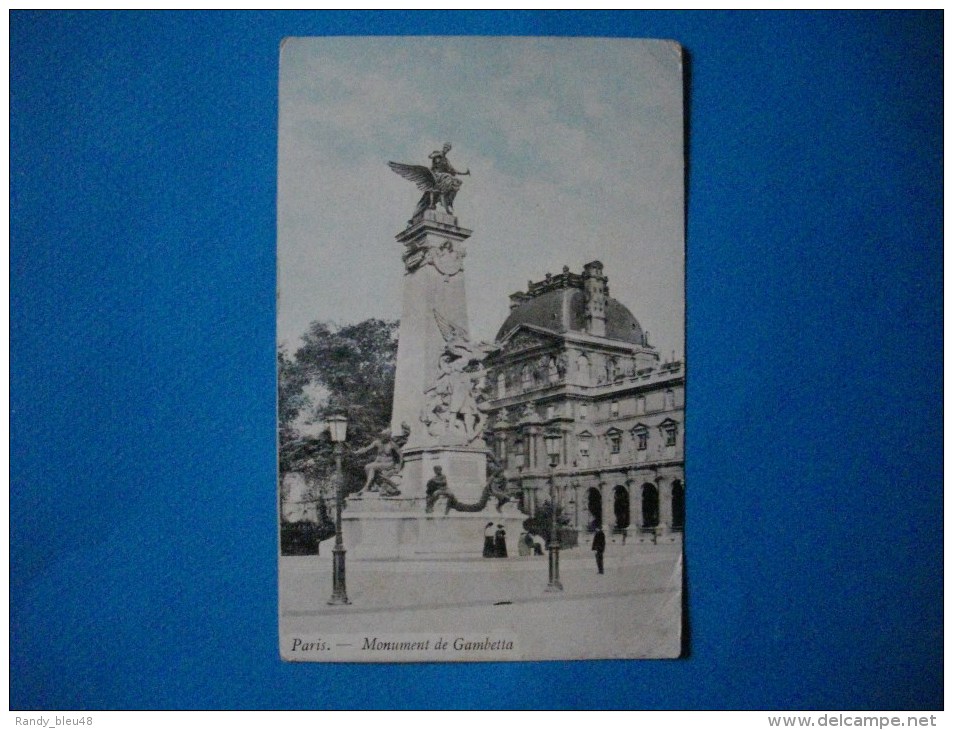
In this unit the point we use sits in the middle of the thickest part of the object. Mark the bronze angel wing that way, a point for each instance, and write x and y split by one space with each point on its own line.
418 174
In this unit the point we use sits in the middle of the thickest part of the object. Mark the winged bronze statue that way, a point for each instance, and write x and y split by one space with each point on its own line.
439 182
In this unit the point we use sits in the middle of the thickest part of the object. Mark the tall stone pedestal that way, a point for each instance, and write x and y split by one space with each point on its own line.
378 527
464 467
398 528
433 282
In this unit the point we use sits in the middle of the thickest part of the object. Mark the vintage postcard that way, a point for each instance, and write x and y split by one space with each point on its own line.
481 349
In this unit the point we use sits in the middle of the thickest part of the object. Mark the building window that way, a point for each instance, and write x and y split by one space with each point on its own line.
640 433
582 366
614 409
550 412
669 399
671 434
640 405
554 460
527 377
519 459
615 443
583 411
585 439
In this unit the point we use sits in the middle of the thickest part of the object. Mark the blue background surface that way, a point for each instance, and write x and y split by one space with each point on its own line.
143 183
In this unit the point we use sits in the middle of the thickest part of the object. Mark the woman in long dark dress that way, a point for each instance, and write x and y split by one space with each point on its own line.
500 541
489 549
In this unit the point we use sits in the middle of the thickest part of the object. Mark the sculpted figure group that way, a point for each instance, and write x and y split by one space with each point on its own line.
383 476
453 412
495 488
383 473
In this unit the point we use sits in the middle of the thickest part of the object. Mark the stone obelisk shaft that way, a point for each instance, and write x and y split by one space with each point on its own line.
433 281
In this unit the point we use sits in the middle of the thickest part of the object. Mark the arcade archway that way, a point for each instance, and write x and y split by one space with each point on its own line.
594 505
678 505
620 506
650 505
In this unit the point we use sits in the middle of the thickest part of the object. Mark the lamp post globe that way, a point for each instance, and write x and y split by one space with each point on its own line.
337 425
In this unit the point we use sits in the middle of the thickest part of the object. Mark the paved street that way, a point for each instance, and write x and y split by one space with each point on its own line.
631 611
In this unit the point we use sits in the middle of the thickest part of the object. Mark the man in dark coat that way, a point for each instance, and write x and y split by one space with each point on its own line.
599 546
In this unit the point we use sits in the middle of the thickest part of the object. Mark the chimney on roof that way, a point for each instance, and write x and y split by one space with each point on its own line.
596 289
517 298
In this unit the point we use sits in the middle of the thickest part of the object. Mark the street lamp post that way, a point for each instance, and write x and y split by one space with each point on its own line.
338 428
552 451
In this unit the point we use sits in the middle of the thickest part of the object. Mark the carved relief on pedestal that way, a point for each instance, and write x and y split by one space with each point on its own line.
445 256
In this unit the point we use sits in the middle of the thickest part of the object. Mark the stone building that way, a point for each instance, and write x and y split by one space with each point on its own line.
574 362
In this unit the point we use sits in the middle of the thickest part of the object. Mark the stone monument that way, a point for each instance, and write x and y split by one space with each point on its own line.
438 393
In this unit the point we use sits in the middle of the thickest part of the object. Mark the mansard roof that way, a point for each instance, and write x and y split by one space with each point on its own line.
564 310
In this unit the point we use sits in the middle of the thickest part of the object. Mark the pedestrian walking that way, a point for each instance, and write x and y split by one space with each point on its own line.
489 546
524 546
499 540
537 545
599 546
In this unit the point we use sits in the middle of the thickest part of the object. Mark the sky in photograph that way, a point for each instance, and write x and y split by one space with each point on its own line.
575 149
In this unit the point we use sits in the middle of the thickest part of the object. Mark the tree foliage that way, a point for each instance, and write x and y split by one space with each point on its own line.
337 369
541 522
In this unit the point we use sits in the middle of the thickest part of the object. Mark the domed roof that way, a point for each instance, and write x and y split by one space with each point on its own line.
564 310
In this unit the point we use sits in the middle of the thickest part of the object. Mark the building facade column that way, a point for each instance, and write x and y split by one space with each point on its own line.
635 503
665 504
532 447
576 487
606 503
